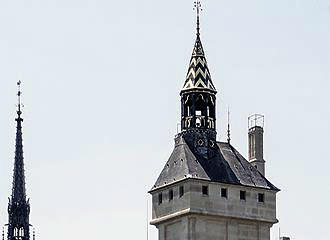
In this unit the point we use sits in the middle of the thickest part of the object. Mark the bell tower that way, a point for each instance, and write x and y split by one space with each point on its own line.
19 205
207 190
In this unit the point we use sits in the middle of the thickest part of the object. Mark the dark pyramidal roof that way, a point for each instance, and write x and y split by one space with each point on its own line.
226 165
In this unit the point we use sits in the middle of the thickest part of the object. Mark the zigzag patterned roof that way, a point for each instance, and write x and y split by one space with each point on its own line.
198 76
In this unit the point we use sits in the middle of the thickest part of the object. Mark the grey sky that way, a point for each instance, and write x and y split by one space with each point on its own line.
101 82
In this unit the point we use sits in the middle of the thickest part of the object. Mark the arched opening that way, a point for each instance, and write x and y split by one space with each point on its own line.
15 232
211 108
21 232
187 107
187 112
200 111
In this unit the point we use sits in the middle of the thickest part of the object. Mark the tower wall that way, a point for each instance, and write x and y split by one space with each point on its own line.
196 216
198 227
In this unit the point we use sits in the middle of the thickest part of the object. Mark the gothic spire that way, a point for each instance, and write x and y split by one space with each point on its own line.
198 76
18 191
19 207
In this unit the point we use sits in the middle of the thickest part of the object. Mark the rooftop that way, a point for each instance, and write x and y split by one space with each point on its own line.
224 165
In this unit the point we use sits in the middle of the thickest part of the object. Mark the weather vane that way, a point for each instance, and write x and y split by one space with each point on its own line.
198 8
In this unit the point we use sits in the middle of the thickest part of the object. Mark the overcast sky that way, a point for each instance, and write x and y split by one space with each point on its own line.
101 82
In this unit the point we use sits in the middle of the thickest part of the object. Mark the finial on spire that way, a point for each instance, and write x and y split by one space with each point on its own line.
198 8
19 93
34 234
228 130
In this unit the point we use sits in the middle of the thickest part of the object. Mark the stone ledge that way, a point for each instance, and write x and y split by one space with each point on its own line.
208 213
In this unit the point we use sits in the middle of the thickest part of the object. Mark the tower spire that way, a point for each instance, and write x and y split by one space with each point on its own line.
19 207
198 76
18 191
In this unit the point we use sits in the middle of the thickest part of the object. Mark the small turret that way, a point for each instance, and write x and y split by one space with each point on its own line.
256 142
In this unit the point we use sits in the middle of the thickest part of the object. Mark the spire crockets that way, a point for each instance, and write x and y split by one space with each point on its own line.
19 207
198 92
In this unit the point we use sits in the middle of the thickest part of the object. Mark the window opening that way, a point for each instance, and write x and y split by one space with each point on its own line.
170 195
205 190
243 195
224 192
160 198
261 197
181 191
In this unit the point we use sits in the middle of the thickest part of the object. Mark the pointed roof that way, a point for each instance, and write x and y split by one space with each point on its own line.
198 75
226 166
18 190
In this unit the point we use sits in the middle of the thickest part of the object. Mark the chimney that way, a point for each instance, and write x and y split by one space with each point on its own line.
256 142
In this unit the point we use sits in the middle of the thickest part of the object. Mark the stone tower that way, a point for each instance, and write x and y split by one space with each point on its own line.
207 189
19 206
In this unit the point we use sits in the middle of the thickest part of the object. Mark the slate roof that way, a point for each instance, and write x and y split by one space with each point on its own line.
226 166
